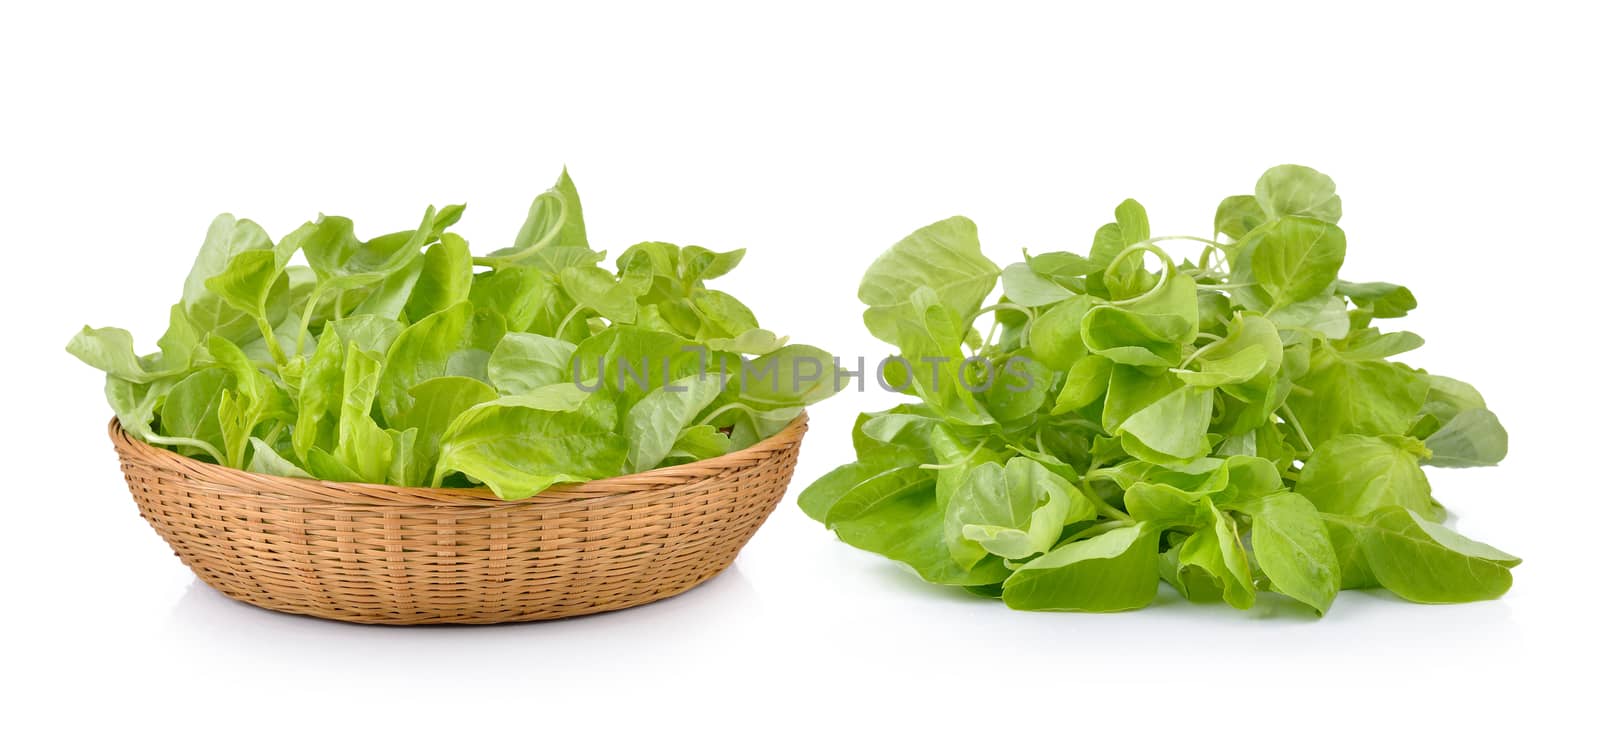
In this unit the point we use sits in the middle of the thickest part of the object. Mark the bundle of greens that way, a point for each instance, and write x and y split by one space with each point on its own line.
406 360
1227 426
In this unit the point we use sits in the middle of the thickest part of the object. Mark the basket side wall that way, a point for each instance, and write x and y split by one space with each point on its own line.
439 563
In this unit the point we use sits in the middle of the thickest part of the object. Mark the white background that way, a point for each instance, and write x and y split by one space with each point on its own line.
1462 139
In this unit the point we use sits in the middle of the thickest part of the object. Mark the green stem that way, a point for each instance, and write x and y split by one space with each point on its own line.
1196 353
305 319
1024 310
1212 247
1227 286
272 341
1149 245
1098 529
1096 473
733 406
708 417
1081 422
1146 246
1294 423
202 445
561 328
1210 243
989 339
1102 505
236 452
952 465
277 430
544 241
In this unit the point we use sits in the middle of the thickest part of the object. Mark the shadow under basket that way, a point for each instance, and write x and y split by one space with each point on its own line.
396 555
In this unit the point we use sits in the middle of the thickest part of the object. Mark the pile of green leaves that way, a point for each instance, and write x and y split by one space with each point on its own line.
1228 426
405 360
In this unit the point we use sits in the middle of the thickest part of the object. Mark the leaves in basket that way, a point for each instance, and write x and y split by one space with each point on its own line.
391 360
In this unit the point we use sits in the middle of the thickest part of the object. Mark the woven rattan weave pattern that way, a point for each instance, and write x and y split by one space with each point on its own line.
394 555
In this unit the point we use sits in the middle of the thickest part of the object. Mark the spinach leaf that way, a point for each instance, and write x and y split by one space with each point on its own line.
1422 561
518 450
1294 550
1473 438
1293 190
445 278
135 408
1027 288
1355 475
1298 257
1363 396
1115 571
1216 549
943 258
436 404
456 341
654 424
190 409
1172 429
521 362
361 444
701 441
268 461
110 350
1149 331
208 311
1383 299
1013 512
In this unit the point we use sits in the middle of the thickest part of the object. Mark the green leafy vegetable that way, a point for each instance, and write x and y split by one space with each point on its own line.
405 360
1113 571
1232 425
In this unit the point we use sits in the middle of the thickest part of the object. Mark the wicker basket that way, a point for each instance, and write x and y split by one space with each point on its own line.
395 555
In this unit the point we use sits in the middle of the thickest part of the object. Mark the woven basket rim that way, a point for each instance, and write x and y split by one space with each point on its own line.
362 493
